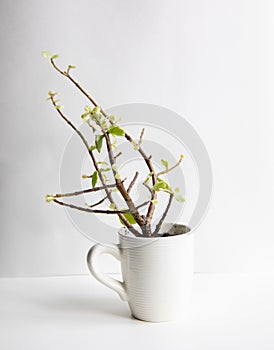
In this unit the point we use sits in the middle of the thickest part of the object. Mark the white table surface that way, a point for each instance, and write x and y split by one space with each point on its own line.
226 312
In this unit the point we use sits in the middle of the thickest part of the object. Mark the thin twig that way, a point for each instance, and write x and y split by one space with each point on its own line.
97 211
141 137
117 155
88 190
173 167
146 186
158 226
98 203
94 211
133 182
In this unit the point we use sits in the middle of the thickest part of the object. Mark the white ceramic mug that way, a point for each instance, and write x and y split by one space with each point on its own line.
157 273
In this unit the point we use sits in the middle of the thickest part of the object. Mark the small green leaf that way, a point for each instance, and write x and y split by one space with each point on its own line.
179 198
49 198
154 201
94 178
129 218
112 206
59 106
71 67
54 56
92 148
105 163
115 189
117 176
84 115
176 189
46 54
52 93
161 185
99 142
148 178
96 110
116 130
87 109
165 163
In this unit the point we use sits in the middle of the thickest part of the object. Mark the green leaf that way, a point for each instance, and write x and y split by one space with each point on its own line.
112 206
147 178
94 178
116 130
160 185
117 176
96 110
165 163
105 163
154 201
54 56
92 148
71 67
59 106
84 115
46 54
99 142
177 189
179 198
129 218
88 109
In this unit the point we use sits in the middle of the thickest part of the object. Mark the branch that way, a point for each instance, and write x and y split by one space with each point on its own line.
146 186
158 227
96 211
87 210
97 203
88 190
173 167
133 182
118 155
141 137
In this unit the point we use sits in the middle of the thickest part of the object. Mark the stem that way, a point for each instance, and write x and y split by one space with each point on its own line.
88 210
97 203
117 155
140 221
133 182
96 211
141 137
173 167
158 226
88 190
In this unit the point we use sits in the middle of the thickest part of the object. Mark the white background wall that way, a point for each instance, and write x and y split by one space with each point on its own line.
211 61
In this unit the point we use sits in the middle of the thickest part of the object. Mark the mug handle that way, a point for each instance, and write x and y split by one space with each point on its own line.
92 262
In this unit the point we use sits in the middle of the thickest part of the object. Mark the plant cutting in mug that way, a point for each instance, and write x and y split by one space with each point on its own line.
105 177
